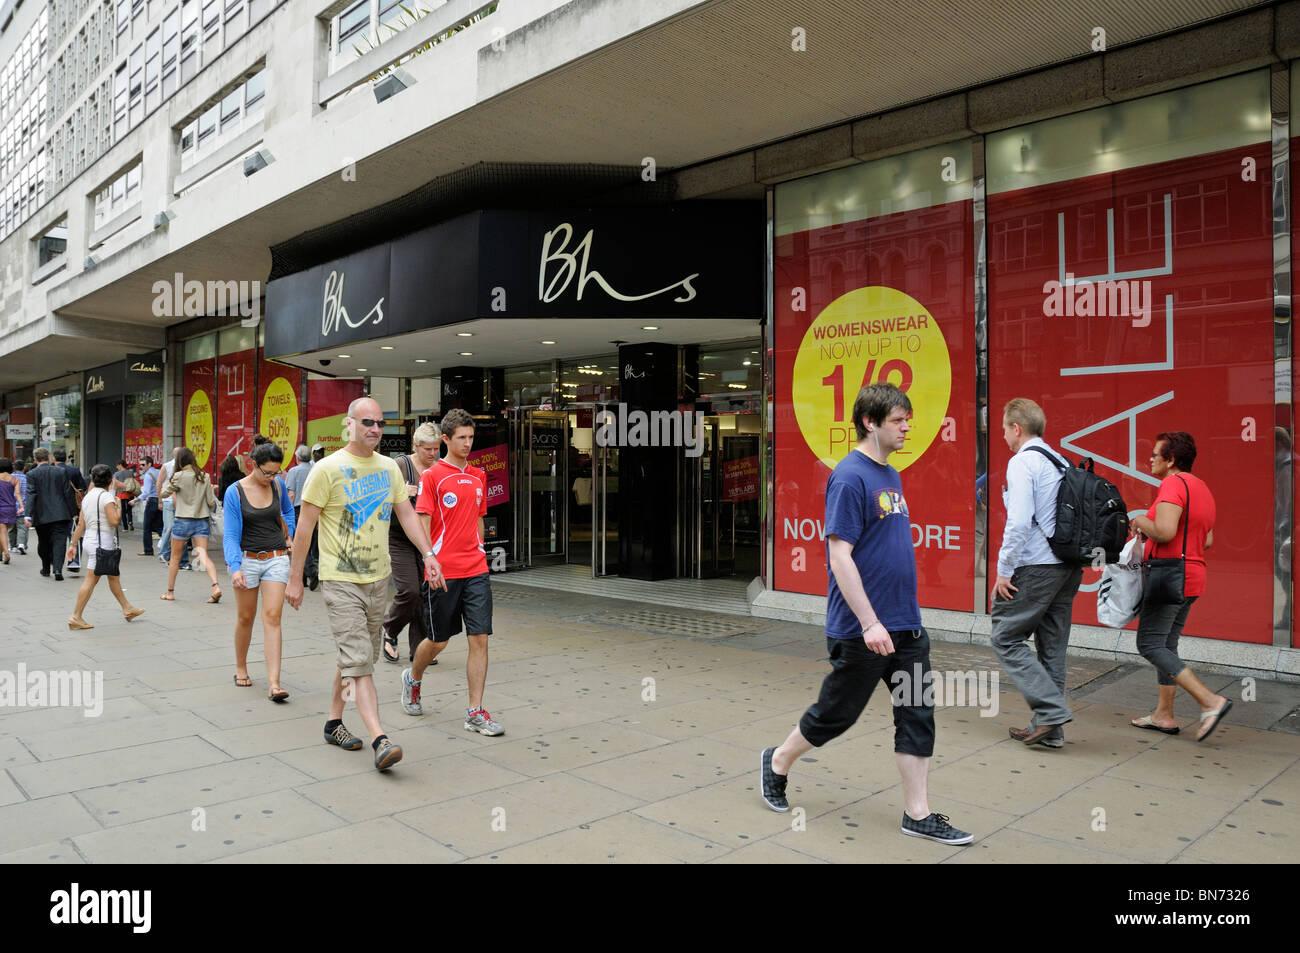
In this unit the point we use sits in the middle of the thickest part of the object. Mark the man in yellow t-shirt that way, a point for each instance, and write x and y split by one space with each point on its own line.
354 494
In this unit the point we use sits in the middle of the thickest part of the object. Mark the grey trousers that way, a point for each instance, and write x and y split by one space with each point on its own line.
1159 628
1040 607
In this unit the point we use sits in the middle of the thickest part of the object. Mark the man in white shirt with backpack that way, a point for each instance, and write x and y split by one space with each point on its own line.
1034 590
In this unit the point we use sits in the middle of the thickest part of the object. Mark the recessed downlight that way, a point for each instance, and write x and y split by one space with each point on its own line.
345 355
385 347
421 360
464 334
466 353
649 327
548 342
362 370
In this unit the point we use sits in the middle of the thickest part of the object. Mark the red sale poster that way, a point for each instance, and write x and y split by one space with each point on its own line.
199 402
740 479
1140 301
143 442
881 299
236 406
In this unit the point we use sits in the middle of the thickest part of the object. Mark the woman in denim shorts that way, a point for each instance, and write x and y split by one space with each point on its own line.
195 502
257 540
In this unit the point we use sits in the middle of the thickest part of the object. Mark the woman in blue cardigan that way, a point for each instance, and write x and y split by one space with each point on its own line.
258 538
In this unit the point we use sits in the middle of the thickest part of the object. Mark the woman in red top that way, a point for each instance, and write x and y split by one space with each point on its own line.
1183 503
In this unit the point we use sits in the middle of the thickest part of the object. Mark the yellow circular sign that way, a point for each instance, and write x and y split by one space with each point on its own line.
198 427
279 416
868 336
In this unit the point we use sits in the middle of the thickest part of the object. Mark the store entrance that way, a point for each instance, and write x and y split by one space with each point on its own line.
720 525
564 489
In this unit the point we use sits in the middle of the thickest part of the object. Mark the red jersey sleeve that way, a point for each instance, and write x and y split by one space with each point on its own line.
424 503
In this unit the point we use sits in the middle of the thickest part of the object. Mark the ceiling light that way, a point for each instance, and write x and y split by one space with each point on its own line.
385 347
345 355
650 327
464 334
548 342
466 353
421 360
745 363
361 369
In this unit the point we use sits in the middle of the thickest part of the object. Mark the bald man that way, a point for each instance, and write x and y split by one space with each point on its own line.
354 493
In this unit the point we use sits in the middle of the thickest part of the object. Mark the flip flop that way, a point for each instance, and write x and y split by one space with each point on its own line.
391 643
1146 722
1217 714
244 681
133 614
278 696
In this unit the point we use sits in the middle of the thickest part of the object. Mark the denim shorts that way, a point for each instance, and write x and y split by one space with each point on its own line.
184 528
275 569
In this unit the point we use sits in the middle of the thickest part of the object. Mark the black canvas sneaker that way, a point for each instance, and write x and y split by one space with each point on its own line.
935 828
772 784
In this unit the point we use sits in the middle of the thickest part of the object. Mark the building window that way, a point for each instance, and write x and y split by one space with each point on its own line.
123 15
152 71
211 26
353 21
189 40
170 47
220 123
391 13
230 109
119 102
115 197
52 244
235 20
136 71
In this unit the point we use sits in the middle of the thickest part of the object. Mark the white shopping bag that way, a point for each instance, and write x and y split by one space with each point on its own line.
1120 593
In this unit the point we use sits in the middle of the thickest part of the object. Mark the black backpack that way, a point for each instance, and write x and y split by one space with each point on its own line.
1091 518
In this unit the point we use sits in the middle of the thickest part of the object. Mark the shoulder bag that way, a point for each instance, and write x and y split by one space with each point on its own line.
1164 579
108 562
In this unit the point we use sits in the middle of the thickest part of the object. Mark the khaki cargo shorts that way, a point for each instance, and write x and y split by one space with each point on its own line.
356 617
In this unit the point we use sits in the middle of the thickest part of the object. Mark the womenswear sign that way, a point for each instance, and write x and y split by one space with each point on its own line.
884 299
1191 349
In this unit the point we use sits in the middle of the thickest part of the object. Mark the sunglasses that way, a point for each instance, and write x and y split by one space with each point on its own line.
367 422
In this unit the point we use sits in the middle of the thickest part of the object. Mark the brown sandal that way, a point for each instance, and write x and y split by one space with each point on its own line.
216 595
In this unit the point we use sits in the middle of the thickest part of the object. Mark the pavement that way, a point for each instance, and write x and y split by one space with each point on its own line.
633 734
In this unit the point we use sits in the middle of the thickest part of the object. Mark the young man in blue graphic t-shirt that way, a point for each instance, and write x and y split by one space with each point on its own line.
873 621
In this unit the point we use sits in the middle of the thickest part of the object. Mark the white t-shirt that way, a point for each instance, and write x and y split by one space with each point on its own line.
97 536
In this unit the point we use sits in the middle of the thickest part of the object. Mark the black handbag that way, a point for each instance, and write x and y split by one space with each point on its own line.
108 562
1164 580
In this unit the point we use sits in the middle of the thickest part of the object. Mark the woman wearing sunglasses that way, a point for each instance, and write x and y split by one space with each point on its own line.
259 531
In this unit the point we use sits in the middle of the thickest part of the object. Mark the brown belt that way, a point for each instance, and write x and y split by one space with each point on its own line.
267 554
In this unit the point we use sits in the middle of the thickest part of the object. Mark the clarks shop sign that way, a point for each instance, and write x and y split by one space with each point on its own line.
703 260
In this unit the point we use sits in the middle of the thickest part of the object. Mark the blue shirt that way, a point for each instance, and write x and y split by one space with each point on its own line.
1030 499
865 507
149 488
233 530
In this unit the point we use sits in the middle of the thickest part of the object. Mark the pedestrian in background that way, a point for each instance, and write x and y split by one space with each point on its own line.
169 514
152 520
1180 526
11 504
1034 591
49 506
259 528
100 515
127 489
18 532
408 563
194 499
79 487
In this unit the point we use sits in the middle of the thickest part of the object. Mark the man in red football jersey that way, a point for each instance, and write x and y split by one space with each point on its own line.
452 504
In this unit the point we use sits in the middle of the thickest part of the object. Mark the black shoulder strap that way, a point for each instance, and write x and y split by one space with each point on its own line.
1187 513
408 470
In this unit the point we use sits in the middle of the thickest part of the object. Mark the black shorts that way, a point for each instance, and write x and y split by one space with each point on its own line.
467 601
855 670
